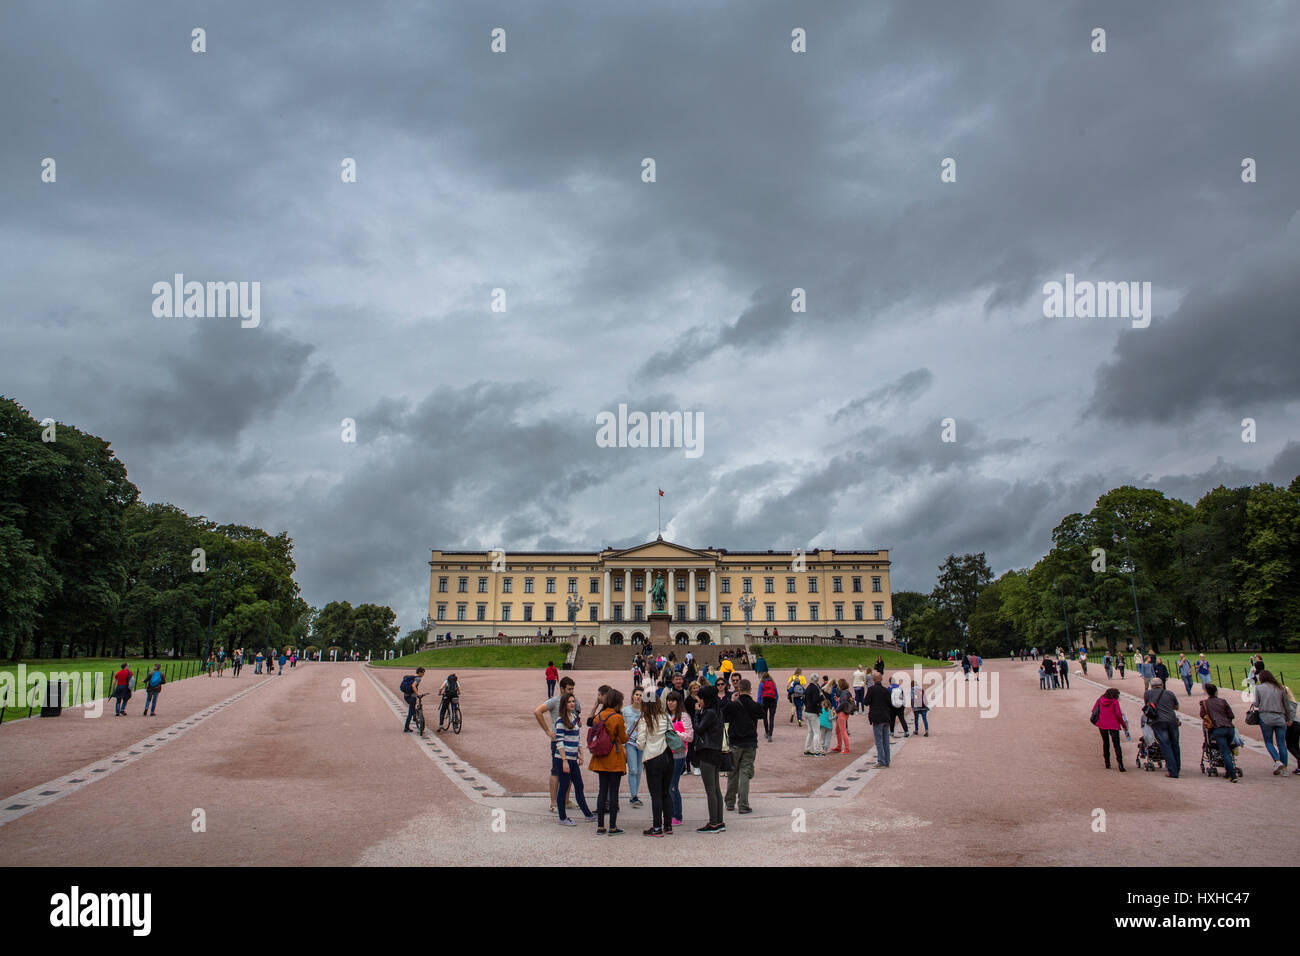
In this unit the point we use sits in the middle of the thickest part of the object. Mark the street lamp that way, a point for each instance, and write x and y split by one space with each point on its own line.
1130 569
574 601
747 602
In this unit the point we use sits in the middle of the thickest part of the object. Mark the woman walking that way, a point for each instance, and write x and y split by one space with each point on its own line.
921 710
1185 672
568 746
611 766
631 718
1109 721
685 729
1276 710
1119 662
708 746
651 740
1216 718
842 713
552 675
768 696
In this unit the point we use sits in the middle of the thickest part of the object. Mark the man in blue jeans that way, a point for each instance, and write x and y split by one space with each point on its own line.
1165 726
880 713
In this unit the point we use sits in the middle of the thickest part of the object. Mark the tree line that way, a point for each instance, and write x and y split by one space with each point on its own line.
89 570
1140 568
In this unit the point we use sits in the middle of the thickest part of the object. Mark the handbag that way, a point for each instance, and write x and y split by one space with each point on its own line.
1206 720
1252 715
1096 712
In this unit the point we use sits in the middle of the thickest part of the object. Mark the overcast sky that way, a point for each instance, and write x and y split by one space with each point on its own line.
522 171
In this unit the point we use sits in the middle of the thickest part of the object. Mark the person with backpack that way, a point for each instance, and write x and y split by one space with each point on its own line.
632 720
965 666
1108 719
410 690
450 692
975 662
552 675
898 707
880 714
1276 709
152 685
1216 718
794 692
607 744
1108 663
768 696
569 747
651 739
1160 708
708 747
684 728
812 708
842 714
920 709
741 715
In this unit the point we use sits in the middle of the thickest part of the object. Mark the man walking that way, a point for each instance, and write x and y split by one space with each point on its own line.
151 687
743 714
880 713
1165 723
1185 672
121 690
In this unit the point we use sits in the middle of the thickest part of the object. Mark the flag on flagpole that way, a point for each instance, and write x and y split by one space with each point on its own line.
661 492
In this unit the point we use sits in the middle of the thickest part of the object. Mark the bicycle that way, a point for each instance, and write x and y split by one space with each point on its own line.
418 719
453 713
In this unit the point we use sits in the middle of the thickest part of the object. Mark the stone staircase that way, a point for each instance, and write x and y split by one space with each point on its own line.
604 657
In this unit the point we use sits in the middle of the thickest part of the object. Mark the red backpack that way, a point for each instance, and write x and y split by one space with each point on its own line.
599 742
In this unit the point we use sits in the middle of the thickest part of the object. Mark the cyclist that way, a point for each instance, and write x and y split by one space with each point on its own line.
411 692
450 695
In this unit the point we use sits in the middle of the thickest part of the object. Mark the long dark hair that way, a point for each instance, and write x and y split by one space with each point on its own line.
613 699
652 710
708 696
564 709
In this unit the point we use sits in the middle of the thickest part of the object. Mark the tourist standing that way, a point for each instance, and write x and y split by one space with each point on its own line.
1109 719
1063 669
1108 663
1119 662
237 663
569 747
897 706
552 676
1042 677
1083 660
1147 671
708 747
632 720
1276 710
1164 724
1203 670
1216 717
859 686
651 739
794 692
768 696
685 729
921 709
843 711
1162 671
880 714
812 708
743 716
611 766
257 663
547 714
1185 672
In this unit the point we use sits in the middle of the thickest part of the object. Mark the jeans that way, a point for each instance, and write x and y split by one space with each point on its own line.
738 779
575 778
881 732
550 688
813 738
119 701
1187 682
918 717
607 799
860 697
634 764
1167 735
151 699
1109 737
658 776
1042 682
712 790
842 733
1275 734
674 792
1223 738
798 709
1110 671
825 734
769 717
411 701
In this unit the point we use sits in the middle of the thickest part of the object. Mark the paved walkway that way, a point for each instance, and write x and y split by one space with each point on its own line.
310 768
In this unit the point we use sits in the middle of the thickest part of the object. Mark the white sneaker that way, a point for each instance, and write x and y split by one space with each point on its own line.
696 771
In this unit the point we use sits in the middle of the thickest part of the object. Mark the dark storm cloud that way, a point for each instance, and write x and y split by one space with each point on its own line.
903 389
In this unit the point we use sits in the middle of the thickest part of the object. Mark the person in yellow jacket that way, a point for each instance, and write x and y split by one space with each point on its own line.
794 689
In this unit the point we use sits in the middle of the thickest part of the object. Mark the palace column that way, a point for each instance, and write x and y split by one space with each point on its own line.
672 596
690 604
645 591
713 594
605 616
627 594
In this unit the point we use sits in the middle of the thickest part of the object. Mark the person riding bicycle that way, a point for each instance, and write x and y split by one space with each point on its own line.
450 693
411 692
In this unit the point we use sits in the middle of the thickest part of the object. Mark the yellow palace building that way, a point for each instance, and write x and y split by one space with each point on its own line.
604 595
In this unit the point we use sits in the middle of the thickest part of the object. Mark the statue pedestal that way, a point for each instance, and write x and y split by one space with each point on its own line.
660 624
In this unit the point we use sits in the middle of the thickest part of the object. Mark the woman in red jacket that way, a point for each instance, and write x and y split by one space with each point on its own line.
1109 721
552 675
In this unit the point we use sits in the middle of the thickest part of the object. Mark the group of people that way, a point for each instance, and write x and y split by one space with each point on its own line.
216 661
1054 672
827 703
124 683
450 694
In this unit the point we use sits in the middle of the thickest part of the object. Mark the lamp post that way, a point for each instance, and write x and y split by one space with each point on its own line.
1129 568
747 602
574 601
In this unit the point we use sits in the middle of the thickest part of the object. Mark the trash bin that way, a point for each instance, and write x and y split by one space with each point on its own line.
56 694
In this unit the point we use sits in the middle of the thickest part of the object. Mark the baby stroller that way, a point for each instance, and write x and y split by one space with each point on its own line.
1212 757
1149 756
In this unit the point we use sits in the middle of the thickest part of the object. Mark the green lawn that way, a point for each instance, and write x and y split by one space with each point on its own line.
107 666
527 656
816 655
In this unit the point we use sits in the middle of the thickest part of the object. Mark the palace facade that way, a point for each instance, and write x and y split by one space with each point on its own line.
603 595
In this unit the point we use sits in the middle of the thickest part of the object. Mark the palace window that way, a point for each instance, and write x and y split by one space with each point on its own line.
638 582
726 585
462 585
747 585
550 585
618 584
505 612
681 612
875 584
857 611
789 586
573 585
528 612
701 583
593 586
792 612
638 612
482 585
507 585
593 612
550 612
878 609
460 612
726 612
769 585
814 612
481 612
812 585
839 611
528 585
618 612
771 611
701 612
679 583
442 585
837 584
857 585
442 612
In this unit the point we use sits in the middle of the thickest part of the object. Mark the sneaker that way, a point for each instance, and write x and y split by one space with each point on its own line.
1296 772
676 822
634 802
696 771
668 829
566 822
926 734
707 828
601 830
731 809
880 766
1278 767
719 828
745 810
613 831
589 820
653 831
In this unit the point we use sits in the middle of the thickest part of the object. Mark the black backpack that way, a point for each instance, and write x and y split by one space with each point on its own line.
408 684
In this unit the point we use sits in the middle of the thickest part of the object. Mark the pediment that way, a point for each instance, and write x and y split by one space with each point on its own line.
660 551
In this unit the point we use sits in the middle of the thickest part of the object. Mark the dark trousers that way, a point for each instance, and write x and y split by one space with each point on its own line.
1109 737
1065 677
860 697
1222 737
712 790
550 688
659 778
1167 734
579 795
899 715
1293 740
442 711
607 798
411 701
769 716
